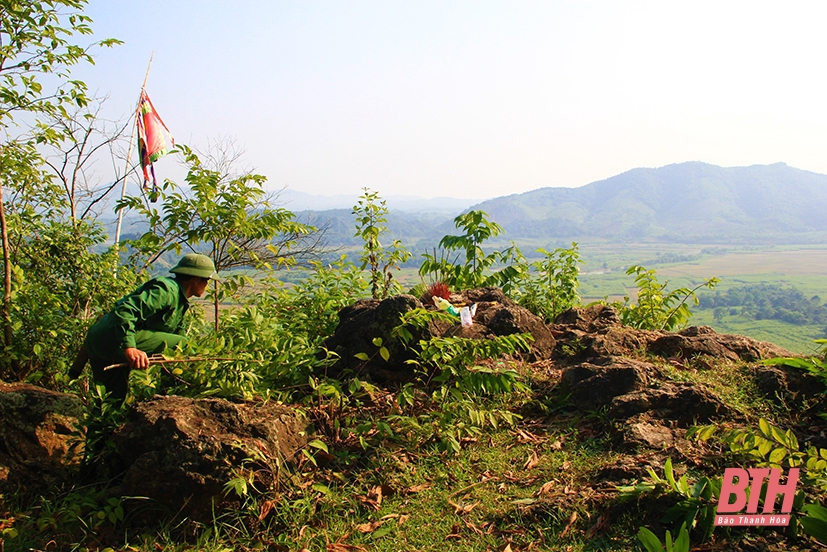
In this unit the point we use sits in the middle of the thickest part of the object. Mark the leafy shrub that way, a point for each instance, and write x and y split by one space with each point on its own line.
550 287
656 308
60 285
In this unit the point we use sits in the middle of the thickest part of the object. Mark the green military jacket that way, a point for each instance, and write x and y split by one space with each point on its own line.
158 305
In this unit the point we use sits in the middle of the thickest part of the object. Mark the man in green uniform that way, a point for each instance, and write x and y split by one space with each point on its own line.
145 322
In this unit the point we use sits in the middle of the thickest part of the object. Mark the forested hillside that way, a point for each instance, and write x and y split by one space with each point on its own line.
688 202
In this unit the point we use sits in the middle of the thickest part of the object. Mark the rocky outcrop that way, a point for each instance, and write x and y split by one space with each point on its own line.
788 385
362 322
650 410
597 331
40 439
497 315
181 452
591 386
703 340
684 404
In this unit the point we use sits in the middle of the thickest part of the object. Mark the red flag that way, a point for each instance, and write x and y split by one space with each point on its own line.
152 133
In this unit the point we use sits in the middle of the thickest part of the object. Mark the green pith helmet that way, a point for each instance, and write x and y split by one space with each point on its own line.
195 264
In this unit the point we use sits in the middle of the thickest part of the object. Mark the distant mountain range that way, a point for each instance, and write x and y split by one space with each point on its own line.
685 202
689 202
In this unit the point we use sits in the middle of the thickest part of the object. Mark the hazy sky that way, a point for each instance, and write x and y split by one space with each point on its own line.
474 99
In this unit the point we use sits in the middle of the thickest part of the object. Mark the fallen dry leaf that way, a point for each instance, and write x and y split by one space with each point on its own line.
373 498
507 548
526 437
462 508
369 527
546 488
601 522
566 465
556 445
473 527
375 494
572 519
532 461
266 508
418 488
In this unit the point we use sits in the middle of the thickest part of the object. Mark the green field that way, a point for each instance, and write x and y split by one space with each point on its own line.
804 267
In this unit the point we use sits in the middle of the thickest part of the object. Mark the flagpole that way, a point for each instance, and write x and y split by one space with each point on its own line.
129 155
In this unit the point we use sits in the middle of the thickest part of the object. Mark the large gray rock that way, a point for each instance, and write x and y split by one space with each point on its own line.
591 386
684 404
497 315
38 429
364 321
789 385
181 452
703 340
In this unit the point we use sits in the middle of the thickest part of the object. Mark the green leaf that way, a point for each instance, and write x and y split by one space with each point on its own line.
383 352
309 456
316 443
684 485
682 542
377 341
670 474
815 527
815 511
362 356
649 540
321 487
778 435
777 455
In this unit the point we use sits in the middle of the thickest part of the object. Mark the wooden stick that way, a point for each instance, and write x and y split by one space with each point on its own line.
162 360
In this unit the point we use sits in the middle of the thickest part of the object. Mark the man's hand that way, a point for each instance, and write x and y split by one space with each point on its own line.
136 358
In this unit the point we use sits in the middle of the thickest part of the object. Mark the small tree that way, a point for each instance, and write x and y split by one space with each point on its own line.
81 137
478 269
231 215
371 222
